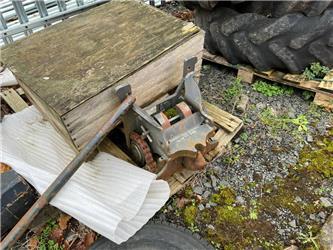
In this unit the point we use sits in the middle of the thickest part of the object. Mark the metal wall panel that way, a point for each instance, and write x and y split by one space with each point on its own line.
20 18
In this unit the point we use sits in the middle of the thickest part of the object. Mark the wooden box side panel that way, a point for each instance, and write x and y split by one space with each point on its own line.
49 114
149 83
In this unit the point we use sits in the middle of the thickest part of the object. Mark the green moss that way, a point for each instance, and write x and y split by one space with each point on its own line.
205 217
190 214
171 112
229 214
319 157
225 196
188 192
282 198
233 91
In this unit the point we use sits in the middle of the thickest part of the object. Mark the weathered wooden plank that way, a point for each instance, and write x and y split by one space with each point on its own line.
222 118
293 78
176 185
327 84
92 51
19 91
324 100
108 146
13 99
245 75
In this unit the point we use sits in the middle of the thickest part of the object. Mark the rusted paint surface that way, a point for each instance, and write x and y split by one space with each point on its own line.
4 168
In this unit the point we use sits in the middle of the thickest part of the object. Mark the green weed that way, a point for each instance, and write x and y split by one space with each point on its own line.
283 122
171 112
44 243
307 95
193 228
308 238
233 91
272 89
244 136
253 214
316 71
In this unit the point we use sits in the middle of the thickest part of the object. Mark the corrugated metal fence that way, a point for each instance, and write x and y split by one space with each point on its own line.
20 18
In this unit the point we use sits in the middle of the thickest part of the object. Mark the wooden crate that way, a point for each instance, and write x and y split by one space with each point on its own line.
323 89
69 70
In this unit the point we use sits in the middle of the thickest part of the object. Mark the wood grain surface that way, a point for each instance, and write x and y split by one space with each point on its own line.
72 61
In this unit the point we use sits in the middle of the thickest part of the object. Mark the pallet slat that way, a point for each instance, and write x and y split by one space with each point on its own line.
328 83
222 118
14 100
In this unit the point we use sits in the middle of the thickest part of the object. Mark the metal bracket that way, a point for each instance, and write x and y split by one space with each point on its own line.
122 91
189 65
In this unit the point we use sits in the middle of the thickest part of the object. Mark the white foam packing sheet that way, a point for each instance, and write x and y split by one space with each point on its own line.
109 195
7 78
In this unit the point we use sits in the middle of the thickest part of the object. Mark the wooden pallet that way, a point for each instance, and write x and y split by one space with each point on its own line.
323 89
227 127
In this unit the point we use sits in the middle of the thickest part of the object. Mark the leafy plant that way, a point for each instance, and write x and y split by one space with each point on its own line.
307 95
44 243
301 122
253 214
234 156
193 228
272 89
253 210
308 238
234 90
244 136
216 244
316 71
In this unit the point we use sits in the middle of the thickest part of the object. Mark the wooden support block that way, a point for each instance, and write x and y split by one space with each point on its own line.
327 82
324 100
13 100
245 75
20 91
293 78
108 146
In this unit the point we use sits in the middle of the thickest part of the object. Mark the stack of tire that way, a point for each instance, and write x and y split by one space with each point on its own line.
268 34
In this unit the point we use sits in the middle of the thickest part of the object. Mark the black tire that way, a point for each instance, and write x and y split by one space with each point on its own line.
157 236
290 42
17 196
281 8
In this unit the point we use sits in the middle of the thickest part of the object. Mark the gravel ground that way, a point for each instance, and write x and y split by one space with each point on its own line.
268 177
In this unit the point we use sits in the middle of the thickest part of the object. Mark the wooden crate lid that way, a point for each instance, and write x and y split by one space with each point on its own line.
69 62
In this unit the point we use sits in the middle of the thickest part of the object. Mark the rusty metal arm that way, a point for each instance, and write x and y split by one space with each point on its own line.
65 175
